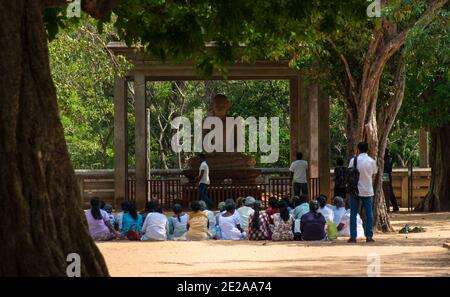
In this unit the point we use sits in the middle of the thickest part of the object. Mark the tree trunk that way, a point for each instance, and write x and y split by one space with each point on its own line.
40 212
381 217
438 198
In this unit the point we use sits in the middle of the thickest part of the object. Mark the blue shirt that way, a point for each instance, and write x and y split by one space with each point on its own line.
129 223
312 226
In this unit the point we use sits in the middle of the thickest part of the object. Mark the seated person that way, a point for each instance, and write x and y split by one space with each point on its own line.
156 225
301 207
178 223
198 223
313 223
119 216
230 222
108 208
221 209
148 208
131 223
246 210
272 209
338 209
100 227
258 224
283 223
324 209
211 218
344 226
327 212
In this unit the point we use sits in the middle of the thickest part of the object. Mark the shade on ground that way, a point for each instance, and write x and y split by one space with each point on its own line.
420 254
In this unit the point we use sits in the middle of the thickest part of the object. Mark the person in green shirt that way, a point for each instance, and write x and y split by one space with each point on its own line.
301 206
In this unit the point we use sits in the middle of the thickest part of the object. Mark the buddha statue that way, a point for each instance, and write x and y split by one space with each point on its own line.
229 164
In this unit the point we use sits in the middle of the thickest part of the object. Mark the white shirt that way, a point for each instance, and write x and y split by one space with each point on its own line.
338 213
299 168
367 168
156 227
327 213
228 227
244 213
205 176
345 231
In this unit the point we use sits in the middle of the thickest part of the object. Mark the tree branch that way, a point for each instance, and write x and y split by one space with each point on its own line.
346 66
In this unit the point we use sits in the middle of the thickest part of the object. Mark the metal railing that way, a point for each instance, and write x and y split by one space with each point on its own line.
171 191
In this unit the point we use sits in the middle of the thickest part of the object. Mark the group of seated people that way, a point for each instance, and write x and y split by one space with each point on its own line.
285 219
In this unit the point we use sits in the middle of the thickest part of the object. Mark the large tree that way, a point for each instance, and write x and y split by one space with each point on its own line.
364 66
427 103
40 212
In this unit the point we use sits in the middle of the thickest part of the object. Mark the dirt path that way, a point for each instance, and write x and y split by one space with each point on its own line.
420 254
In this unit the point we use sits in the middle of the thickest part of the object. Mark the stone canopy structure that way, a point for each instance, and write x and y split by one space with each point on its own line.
308 114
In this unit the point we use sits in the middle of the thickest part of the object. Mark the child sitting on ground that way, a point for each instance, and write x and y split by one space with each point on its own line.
178 223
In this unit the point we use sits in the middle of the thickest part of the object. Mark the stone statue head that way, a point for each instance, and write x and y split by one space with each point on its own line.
220 106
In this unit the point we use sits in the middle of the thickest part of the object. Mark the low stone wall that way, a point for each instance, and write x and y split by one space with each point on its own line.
101 182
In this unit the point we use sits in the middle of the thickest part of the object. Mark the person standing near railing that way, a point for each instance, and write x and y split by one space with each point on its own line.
298 175
387 177
203 181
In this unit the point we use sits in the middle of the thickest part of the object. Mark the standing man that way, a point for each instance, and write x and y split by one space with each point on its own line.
298 176
340 178
203 181
388 179
367 168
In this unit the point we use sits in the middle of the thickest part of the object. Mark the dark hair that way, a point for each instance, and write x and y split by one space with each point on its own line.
131 209
102 204
158 207
288 201
299 155
273 202
284 212
202 156
322 200
363 147
149 206
230 206
196 206
296 201
95 208
340 161
124 204
303 199
314 207
239 202
255 220
177 209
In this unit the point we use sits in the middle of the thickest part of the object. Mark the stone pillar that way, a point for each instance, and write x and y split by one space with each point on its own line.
294 115
423 148
120 141
314 131
324 143
304 120
140 140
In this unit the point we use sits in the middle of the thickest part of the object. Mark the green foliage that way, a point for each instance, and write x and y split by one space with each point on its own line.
83 73
427 55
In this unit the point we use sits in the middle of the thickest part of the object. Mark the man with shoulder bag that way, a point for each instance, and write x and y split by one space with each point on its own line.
361 170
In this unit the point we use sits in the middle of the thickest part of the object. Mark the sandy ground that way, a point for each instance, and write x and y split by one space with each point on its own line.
419 254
